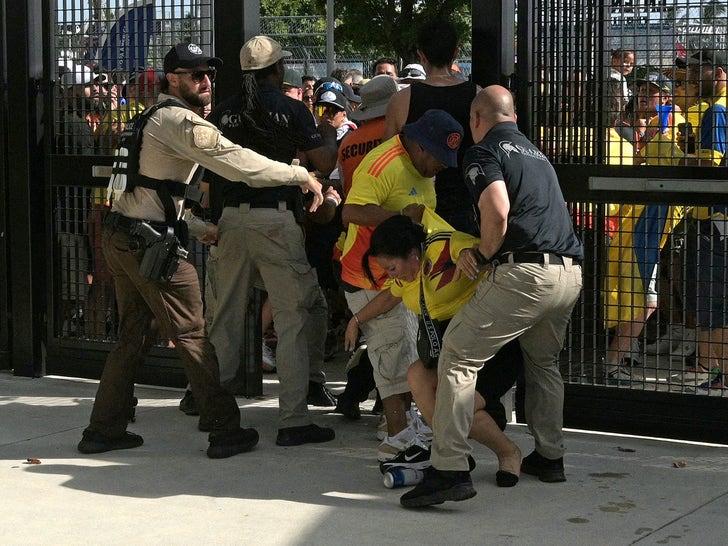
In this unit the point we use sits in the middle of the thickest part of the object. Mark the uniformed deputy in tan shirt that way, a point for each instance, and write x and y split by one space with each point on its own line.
176 140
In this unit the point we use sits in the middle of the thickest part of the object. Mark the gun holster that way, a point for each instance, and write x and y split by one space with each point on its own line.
162 251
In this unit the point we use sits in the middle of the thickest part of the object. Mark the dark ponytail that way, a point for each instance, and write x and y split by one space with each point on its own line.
396 237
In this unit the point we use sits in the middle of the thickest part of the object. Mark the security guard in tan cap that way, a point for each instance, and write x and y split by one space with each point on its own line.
142 250
261 235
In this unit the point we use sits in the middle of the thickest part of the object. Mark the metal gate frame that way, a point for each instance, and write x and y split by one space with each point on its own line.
597 407
24 240
4 171
83 357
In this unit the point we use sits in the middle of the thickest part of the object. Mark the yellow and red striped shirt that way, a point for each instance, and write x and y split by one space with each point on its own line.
386 177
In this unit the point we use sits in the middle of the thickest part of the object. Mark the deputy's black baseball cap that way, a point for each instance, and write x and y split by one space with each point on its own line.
187 55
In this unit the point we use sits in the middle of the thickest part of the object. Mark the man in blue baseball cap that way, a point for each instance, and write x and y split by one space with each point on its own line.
394 178
438 134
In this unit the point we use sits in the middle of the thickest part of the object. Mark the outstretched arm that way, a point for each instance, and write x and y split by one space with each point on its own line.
383 302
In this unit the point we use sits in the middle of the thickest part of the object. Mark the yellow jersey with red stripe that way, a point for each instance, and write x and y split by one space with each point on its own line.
386 177
443 296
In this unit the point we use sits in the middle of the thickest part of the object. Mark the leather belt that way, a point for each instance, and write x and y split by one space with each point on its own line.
533 258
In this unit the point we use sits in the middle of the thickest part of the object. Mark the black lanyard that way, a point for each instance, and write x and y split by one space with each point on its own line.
432 333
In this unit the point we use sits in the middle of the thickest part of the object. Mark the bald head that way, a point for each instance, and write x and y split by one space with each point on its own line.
495 103
491 106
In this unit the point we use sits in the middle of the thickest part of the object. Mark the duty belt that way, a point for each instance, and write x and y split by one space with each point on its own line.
118 222
533 258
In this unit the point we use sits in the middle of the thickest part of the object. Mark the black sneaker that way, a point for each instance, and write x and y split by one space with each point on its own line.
383 467
95 442
187 405
415 456
439 486
226 443
319 395
307 434
347 407
547 470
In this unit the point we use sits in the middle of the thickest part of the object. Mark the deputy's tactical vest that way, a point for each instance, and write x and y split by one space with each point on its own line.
125 174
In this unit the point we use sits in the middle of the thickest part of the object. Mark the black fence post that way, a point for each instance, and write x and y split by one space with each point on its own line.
26 189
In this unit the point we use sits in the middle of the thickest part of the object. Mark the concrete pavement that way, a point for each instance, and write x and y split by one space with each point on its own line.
620 490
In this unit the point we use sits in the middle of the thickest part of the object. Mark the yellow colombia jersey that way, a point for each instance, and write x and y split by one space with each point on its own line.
443 296
386 177
619 151
660 148
632 255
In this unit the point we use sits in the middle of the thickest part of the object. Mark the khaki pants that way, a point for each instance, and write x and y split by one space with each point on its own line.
177 307
531 302
269 242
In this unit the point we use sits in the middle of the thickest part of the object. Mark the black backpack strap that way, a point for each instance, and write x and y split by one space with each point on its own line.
189 191
192 190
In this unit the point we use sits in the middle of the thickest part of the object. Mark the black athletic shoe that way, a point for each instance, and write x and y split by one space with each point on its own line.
415 456
226 443
439 486
95 442
347 407
187 405
547 470
307 434
319 395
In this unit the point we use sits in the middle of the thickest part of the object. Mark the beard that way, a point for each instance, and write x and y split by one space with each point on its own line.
192 98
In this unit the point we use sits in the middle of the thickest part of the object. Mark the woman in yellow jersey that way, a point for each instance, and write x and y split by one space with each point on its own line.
421 264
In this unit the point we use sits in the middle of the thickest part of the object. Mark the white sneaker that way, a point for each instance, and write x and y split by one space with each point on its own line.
269 359
392 445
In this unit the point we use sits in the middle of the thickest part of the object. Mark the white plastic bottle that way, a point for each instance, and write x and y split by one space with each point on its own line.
401 477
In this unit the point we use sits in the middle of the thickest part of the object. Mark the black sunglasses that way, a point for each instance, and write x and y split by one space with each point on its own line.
413 73
198 75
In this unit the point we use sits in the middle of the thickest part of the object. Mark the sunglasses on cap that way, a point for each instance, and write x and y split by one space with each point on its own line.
198 75
412 73
330 85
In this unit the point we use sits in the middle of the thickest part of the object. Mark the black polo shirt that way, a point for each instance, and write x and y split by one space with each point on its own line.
538 220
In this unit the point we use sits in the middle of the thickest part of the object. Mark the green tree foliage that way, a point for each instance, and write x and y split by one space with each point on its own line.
378 27
288 8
